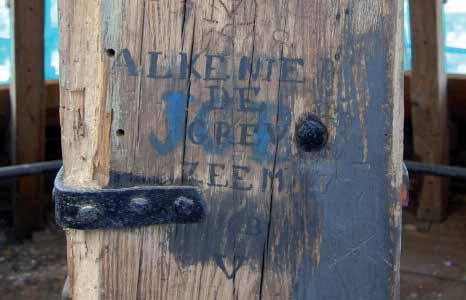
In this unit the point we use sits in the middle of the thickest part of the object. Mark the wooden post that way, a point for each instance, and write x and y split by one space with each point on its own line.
429 102
213 93
27 110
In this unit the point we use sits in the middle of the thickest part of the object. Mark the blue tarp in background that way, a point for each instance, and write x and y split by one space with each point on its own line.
455 29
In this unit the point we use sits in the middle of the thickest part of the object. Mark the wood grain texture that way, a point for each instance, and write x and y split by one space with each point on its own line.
334 207
82 105
429 102
27 106
208 93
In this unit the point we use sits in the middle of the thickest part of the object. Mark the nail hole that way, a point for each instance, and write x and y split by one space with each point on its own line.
120 132
110 52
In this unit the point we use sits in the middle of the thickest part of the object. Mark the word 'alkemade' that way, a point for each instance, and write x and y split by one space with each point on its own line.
214 66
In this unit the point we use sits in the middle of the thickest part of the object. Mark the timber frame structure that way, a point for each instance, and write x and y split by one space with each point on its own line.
260 240
29 137
149 96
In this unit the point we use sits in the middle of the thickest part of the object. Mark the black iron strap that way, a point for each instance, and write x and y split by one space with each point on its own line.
88 209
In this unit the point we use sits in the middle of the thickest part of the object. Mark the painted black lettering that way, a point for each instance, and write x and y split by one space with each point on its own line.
222 132
277 133
266 174
247 134
238 179
219 97
220 68
290 69
184 66
253 227
128 62
270 63
246 66
197 132
246 104
213 175
193 66
153 67
189 169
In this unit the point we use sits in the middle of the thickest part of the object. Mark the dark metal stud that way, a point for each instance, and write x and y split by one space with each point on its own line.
88 214
139 204
311 134
184 206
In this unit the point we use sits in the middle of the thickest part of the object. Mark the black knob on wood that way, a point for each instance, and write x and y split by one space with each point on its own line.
311 133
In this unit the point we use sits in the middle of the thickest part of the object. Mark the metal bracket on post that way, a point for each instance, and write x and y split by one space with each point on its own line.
88 209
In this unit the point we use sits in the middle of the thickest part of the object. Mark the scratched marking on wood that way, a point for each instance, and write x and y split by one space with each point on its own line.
208 93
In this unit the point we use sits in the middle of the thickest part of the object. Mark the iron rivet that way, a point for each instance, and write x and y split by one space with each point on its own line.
311 133
138 204
87 214
184 206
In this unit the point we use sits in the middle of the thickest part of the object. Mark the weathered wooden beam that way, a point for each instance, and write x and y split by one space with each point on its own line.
52 103
212 93
27 106
429 102
456 100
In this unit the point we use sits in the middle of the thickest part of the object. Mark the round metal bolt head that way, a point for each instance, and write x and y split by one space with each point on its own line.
87 214
311 133
138 204
184 206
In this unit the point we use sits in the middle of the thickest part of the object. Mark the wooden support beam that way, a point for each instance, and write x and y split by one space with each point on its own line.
27 109
52 103
429 102
213 94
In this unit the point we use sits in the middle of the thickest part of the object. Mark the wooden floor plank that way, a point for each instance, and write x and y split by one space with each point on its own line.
415 286
438 252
